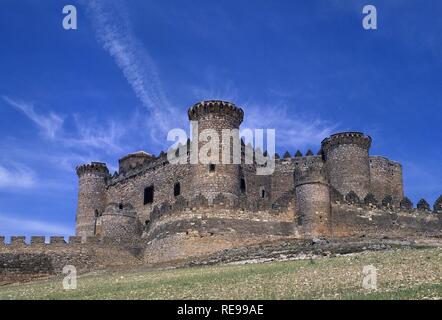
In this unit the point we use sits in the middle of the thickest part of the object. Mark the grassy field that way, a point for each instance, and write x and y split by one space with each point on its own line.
401 274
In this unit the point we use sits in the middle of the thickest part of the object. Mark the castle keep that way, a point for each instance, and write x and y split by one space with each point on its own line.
154 211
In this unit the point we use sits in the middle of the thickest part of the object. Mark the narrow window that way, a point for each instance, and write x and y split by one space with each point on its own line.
211 167
243 185
263 192
120 206
97 214
148 195
177 189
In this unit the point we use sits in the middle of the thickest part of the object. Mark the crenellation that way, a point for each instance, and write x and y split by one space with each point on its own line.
352 198
370 200
18 241
423 205
57 240
437 207
406 204
74 240
38 240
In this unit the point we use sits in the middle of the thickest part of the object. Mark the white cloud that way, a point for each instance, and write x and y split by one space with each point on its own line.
113 31
16 226
49 124
104 135
292 130
19 177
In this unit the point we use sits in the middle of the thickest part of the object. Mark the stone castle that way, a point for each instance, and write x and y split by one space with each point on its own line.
149 198
154 211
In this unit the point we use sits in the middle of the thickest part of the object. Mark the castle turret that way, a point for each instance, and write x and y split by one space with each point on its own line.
132 160
212 175
91 196
347 162
313 206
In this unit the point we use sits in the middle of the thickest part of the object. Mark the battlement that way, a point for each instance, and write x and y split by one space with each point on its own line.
54 241
385 163
220 202
95 168
386 204
355 138
224 108
38 241
139 168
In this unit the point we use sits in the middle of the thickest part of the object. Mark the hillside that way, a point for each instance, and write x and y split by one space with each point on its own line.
401 274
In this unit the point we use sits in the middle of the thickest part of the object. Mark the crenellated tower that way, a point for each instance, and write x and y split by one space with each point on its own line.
211 175
313 204
346 156
91 196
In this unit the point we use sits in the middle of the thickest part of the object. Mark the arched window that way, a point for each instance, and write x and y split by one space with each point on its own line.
177 189
212 167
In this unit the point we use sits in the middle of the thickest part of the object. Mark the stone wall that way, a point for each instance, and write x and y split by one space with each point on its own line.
283 177
129 188
177 231
20 261
357 220
386 179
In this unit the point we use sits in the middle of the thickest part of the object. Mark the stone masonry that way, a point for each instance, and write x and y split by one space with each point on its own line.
158 211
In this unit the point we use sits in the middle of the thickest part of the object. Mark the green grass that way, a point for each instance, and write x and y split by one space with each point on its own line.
402 274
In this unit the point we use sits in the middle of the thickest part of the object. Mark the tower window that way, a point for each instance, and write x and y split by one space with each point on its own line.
243 185
177 189
212 167
120 206
263 192
148 195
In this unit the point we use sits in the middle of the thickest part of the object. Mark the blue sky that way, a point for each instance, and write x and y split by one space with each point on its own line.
131 70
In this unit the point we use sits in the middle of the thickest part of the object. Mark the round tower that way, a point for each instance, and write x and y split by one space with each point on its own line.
119 221
313 206
347 162
91 196
211 175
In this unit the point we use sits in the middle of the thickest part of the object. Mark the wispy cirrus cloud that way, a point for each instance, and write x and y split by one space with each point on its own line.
16 177
50 124
293 131
113 31
18 226
104 135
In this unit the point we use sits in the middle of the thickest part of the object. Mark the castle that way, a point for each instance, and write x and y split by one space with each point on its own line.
153 211
153 200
